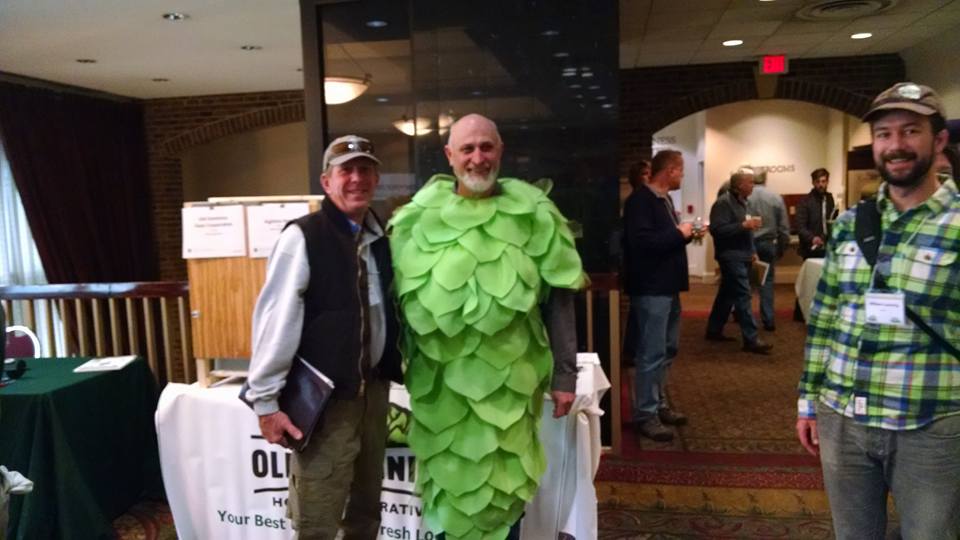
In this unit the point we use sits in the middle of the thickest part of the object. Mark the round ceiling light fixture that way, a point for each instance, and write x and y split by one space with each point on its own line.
835 10
337 90
376 23
409 127
175 16
861 35
733 43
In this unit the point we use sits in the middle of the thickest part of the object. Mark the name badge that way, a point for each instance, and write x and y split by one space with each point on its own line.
886 308
859 405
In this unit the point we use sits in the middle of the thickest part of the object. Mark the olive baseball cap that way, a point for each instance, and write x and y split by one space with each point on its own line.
345 148
907 96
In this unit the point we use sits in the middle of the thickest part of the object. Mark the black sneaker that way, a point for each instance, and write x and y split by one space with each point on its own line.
757 347
651 428
671 417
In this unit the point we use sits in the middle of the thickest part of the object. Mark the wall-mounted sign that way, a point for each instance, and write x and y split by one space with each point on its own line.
265 222
774 64
213 231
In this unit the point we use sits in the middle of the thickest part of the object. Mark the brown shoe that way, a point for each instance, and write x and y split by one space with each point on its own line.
757 347
671 417
651 428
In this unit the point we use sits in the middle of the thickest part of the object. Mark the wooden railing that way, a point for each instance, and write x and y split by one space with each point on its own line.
607 285
150 319
153 320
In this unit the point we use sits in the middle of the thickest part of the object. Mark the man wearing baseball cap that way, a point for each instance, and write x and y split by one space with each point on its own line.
325 300
880 391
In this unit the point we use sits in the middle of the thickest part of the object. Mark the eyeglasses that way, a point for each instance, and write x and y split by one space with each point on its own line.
350 146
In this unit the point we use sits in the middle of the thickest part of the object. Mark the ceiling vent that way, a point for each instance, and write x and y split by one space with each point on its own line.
838 10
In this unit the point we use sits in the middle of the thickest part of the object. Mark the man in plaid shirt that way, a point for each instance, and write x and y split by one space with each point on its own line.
880 400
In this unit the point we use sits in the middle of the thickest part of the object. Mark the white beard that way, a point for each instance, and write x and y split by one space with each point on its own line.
479 184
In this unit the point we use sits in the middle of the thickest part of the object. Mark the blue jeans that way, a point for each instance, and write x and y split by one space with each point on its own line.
920 467
767 251
734 292
657 320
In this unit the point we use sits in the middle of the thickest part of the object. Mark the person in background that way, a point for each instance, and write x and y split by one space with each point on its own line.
879 397
734 250
638 175
326 299
655 271
947 163
771 240
814 213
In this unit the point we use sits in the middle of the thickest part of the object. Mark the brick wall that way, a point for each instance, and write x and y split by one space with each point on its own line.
176 124
653 98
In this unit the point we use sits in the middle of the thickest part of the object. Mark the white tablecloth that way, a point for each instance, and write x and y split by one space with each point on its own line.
806 285
224 481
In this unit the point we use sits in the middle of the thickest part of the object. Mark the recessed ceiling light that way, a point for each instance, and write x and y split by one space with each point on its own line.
476 93
561 54
382 99
160 79
601 98
593 87
86 61
251 47
570 73
574 86
550 33
861 35
375 23
587 74
607 105
732 42
175 16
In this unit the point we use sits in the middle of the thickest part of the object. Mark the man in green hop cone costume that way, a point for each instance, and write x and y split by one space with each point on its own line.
476 258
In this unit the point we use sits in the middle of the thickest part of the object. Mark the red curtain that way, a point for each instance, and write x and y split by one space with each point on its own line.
80 166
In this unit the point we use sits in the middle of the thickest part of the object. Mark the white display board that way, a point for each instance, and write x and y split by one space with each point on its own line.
211 231
265 222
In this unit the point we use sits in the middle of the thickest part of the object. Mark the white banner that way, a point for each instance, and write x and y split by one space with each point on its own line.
224 481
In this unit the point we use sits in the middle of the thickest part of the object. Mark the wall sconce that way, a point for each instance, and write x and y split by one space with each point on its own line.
411 128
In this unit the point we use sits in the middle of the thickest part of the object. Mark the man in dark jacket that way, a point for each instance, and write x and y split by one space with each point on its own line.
732 230
813 215
655 260
326 300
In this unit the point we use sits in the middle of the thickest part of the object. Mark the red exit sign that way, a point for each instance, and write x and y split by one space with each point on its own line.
774 64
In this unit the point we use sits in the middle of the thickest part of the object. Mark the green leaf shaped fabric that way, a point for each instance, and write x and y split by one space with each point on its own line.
470 273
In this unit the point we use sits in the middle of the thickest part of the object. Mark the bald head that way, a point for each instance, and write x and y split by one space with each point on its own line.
471 123
474 151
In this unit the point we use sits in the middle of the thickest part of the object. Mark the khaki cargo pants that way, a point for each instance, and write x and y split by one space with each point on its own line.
345 458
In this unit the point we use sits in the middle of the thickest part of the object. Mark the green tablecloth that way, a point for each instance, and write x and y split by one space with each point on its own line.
87 440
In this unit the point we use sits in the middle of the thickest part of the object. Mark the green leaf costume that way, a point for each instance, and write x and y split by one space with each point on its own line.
469 275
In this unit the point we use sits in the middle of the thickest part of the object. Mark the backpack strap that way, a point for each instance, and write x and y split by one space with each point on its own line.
868 231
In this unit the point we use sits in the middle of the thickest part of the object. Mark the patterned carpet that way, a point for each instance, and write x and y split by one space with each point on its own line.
737 402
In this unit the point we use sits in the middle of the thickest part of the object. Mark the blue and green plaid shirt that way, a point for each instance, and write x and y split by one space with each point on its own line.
906 379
